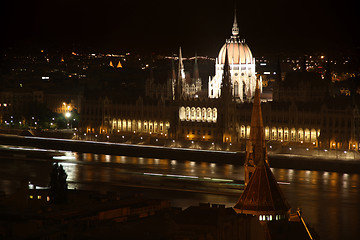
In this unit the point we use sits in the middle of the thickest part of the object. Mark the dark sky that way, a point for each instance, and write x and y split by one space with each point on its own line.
161 26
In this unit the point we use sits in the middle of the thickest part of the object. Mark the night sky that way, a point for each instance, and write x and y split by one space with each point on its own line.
161 26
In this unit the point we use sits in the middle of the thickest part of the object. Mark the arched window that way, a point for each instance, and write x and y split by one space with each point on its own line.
242 131
187 113
313 135
114 123
293 135
248 128
286 134
214 115
236 89
129 125
280 134
161 126
133 125
307 135
119 124
182 113
209 115
203 114
273 133
167 126
267 133
151 127
300 135
139 126
193 114
155 127
124 125
198 114
146 126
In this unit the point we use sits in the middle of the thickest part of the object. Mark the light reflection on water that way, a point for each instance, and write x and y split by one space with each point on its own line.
329 200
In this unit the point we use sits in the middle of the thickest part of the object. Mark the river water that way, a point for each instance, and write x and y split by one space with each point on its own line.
330 201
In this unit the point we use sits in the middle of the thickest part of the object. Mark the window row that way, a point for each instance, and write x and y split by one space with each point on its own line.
198 114
140 126
284 134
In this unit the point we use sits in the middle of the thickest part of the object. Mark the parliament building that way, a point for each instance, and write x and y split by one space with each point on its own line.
303 110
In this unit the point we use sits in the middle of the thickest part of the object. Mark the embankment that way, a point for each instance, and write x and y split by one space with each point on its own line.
289 161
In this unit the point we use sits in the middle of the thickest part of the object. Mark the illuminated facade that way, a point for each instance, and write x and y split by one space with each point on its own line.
297 116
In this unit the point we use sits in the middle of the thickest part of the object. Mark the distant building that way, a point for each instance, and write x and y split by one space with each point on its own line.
301 113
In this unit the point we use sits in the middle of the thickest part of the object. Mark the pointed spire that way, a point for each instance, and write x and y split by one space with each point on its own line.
111 64
257 126
235 28
262 194
181 65
196 69
226 80
181 77
173 73
255 147
119 65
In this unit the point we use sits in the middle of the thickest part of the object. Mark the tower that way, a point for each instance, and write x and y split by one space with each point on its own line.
225 101
242 67
173 80
180 77
262 196
196 76
226 81
255 147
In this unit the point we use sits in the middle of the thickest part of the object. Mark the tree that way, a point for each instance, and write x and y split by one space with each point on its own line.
58 185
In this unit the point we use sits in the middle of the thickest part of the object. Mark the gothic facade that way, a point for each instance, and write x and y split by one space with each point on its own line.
300 113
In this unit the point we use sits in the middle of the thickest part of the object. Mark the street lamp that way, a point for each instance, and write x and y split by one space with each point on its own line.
67 116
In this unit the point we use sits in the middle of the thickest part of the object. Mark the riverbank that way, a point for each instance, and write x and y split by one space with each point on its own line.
276 160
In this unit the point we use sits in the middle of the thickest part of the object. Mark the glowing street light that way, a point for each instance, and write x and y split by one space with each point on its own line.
67 116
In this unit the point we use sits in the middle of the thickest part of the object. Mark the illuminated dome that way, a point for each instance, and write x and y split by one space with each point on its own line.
238 52
242 68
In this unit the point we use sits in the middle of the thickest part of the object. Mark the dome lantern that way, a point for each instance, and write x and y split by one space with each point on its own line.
235 28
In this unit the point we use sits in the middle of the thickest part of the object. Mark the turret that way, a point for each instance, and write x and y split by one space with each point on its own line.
226 80
180 78
196 69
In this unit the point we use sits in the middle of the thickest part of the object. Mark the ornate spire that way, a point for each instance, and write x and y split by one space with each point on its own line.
181 65
255 147
226 80
235 28
196 69
181 72
181 77
262 194
173 73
